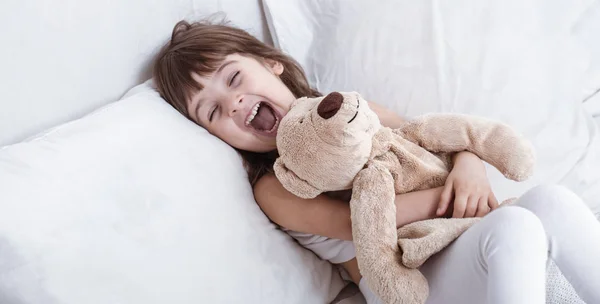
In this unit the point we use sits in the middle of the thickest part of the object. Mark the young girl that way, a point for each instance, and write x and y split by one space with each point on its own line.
239 88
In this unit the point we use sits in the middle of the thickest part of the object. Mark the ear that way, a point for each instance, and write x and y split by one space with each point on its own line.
276 67
292 183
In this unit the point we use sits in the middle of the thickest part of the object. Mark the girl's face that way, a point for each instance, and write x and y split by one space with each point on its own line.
242 102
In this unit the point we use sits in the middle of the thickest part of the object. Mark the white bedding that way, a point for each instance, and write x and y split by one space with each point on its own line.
592 105
135 204
62 59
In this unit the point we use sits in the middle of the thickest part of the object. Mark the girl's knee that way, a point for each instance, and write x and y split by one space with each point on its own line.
519 228
551 191
555 198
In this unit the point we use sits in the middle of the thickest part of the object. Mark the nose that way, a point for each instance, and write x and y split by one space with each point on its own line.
235 105
330 105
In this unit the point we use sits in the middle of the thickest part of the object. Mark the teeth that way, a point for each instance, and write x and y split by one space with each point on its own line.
274 126
254 111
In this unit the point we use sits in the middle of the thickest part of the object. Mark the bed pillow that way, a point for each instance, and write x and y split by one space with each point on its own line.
135 204
62 59
515 61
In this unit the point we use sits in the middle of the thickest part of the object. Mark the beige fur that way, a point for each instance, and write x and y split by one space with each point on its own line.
336 142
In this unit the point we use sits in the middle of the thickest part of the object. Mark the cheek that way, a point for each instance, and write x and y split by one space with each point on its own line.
227 131
230 133
267 85
251 82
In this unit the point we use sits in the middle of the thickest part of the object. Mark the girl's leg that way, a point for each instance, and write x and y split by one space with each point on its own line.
501 259
573 234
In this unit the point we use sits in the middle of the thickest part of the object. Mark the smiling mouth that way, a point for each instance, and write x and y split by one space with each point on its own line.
355 114
263 118
353 117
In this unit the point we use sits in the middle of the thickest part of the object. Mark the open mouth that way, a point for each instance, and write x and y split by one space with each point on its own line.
263 118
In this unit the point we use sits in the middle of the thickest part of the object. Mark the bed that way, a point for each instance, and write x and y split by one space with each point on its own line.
107 195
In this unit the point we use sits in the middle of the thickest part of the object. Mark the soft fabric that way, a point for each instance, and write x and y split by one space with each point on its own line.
558 289
482 37
367 293
135 204
573 236
62 59
336 143
528 63
502 259
592 105
586 28
332 250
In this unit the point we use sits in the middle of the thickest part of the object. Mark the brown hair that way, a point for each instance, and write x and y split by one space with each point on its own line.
200 47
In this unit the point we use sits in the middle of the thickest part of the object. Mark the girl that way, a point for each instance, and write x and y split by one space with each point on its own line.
239 88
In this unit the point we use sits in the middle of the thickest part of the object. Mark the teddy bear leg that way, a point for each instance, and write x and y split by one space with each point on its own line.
373 214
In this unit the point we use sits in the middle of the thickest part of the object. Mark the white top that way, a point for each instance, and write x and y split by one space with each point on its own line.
333 250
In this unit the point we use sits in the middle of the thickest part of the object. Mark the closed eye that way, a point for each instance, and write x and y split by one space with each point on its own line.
212 113
234 77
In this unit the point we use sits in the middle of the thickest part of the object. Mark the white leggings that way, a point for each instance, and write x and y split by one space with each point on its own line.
502 259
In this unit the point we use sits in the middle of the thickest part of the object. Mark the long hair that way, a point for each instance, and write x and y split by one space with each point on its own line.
200 48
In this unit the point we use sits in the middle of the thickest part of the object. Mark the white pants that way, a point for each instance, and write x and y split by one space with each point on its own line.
502 259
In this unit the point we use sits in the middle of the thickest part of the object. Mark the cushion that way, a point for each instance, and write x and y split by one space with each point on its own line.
66 58
135 204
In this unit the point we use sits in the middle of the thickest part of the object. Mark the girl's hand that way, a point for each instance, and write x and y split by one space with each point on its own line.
467 183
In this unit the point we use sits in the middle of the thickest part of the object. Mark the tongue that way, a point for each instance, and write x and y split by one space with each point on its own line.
264 119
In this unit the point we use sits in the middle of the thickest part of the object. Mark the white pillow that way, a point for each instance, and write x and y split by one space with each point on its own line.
511 60
93 52
135 204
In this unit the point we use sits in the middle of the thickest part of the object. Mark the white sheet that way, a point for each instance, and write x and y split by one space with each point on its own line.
586 30
592 105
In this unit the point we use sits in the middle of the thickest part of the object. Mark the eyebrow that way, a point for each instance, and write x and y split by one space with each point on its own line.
200 101
226 63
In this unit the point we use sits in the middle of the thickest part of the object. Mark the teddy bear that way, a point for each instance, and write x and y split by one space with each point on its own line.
337 142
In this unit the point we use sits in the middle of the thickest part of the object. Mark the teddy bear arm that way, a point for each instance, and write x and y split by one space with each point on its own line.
495 143
373 214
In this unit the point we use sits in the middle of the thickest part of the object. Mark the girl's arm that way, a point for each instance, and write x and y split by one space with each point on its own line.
329 217
387 117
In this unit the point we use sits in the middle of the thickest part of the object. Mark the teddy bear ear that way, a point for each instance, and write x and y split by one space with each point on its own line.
293 183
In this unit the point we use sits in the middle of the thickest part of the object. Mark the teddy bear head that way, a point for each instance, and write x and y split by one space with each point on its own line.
324 142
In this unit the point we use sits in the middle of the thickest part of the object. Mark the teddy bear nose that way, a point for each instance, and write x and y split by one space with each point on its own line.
330 105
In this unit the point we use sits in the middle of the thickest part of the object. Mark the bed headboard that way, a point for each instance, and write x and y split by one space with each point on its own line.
62 59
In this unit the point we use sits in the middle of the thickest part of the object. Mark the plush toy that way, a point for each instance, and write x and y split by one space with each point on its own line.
336 143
